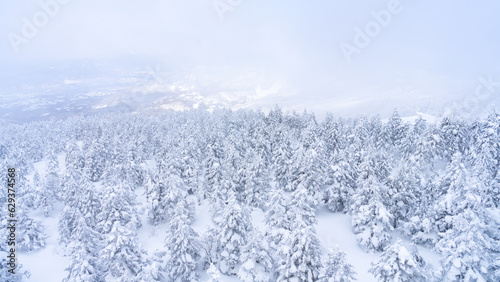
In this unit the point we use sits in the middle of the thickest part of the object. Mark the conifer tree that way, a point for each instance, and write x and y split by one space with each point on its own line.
164 195
183 245
119 205
404 191
331 132
255 180
466 250
95 158
398 264
281 160
122 256
466 245
82 267
257 262
395 130
336 268
453 186
371 220
300 256
339 193
278 218
230 235
33 232
49 188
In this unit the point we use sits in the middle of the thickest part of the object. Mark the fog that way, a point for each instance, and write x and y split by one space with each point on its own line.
326 55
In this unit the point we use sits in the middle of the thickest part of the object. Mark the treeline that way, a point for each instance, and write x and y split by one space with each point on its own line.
438 184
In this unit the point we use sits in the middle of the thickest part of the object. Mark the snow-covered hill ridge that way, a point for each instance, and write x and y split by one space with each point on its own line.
134 85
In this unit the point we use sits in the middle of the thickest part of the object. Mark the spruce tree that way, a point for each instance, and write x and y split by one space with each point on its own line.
257 262
183 245
398 264
82 267
230 235
300 256
336 268
371 220
339 193
122 256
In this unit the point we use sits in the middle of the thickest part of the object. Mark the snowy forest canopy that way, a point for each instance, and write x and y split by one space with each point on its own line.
438 185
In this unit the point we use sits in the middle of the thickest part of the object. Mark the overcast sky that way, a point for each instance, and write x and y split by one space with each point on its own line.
327 47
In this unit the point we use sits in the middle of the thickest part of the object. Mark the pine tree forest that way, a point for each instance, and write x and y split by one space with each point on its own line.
98 185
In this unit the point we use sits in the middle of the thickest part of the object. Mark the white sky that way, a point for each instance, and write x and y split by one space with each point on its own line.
429 48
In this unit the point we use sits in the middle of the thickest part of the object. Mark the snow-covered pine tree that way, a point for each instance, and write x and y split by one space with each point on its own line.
230 234
281 160
466 245
95 158
72 180
342 176
398 264
302 207
300 256
86 235
395 130
361 134
154 270
74 156
421 230
191 165
213 170
374 162
331 132
82 202
298 253
453 185
255 179
135 173
33 232
26 192
50 187
118 205
376 129
38 188
336 268
122 256
371 220
232 173
52 173
306 172
82 267
404 189
278 218
183 246
467 250
164 195
453 137
485 159
257 263
417 145
214 273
